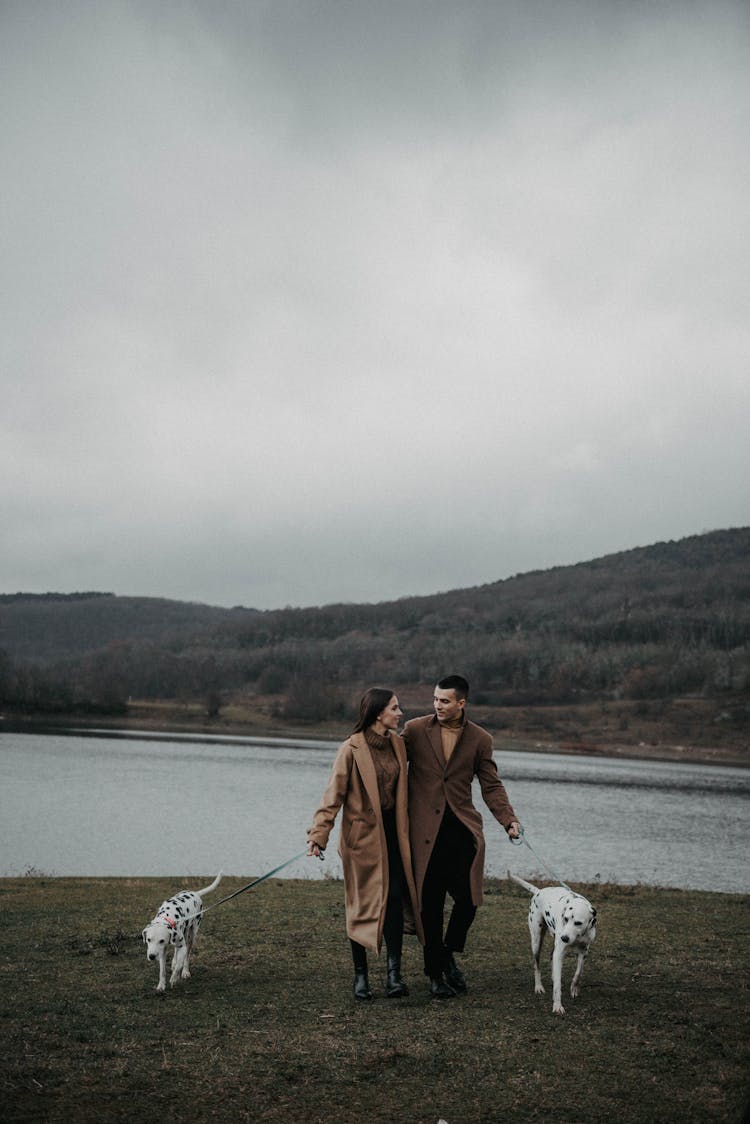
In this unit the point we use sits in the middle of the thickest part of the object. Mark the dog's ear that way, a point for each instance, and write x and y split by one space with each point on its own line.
593 912
143 934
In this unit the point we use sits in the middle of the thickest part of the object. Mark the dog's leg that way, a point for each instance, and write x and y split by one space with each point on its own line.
162 984
558 955
537 929
190 935
177 961
192 940
574 986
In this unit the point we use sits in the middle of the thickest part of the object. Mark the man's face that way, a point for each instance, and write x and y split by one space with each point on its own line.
447 705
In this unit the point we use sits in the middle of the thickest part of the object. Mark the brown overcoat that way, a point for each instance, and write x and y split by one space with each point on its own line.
433 784
364 854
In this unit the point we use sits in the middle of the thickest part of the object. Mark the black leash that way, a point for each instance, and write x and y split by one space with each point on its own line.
255 882
523 840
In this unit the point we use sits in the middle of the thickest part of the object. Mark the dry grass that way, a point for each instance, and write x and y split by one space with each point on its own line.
662 729
266 1030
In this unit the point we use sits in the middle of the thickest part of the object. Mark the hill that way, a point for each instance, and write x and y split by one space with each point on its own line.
656 623
48 628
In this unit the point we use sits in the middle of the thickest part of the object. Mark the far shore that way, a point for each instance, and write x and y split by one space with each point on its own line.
173 720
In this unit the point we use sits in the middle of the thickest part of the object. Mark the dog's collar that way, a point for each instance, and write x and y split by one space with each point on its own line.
163 919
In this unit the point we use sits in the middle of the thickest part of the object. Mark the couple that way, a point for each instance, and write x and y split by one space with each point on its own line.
404 844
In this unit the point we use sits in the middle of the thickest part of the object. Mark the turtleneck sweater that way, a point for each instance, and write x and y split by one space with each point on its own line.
387 767
449 735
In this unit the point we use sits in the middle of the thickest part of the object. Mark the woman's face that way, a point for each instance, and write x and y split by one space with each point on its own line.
392 715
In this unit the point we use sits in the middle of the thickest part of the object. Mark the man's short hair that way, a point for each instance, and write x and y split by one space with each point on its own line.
455 683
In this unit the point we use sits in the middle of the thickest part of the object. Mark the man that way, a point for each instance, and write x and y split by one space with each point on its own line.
445 752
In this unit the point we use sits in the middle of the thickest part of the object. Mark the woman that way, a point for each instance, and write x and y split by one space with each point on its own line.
369 779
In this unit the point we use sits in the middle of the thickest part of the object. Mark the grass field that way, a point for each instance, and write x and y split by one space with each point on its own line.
266 1029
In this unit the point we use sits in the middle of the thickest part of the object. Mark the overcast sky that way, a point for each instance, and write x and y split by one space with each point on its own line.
318 301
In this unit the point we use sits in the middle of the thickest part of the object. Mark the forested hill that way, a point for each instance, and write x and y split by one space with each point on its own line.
51 627
657 621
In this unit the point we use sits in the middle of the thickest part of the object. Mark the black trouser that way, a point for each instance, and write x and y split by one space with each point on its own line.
393 926
447 873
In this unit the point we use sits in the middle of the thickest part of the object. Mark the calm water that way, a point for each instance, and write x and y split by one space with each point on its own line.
107 805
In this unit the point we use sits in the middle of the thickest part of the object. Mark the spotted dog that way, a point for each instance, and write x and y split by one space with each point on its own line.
571 919
176 923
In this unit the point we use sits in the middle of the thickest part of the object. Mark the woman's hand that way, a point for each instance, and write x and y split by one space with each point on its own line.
313 849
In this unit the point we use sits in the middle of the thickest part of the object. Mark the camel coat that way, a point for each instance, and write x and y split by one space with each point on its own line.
364 854
433 784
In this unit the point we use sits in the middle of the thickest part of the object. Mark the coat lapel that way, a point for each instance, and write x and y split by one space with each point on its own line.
433 733
363 757
400 750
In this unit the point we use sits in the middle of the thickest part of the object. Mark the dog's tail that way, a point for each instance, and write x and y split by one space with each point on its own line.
526 885
208 889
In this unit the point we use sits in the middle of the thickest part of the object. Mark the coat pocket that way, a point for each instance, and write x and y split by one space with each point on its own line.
356 833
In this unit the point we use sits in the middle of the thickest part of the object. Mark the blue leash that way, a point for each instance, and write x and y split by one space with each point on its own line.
257 881
522 839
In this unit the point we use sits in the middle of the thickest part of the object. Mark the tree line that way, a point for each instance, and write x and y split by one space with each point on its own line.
661 621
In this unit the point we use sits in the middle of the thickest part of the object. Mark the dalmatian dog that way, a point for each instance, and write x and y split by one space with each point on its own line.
571 919
176 923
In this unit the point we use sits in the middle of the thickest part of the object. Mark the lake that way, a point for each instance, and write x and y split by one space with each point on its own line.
105 804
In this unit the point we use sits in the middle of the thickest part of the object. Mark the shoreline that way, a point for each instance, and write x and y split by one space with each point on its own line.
517 741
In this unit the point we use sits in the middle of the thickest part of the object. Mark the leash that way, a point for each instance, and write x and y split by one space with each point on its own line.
522 839
256 882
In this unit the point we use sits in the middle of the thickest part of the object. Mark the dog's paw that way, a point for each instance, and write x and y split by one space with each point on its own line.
539 989
185 974
575 990
558 1010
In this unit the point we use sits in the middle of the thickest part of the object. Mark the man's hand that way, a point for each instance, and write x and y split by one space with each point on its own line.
514 830
313 849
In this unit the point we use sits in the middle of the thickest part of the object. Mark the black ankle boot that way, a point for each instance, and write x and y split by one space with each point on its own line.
394 985
454 976
361 982
362 986
440 989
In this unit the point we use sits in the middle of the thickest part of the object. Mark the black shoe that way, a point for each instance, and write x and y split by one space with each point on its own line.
454 977
394 985
440 989
361 986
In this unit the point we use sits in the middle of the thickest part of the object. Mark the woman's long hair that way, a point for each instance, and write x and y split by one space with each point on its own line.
372 703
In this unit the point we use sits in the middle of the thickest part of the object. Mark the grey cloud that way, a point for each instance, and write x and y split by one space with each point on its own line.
309 302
